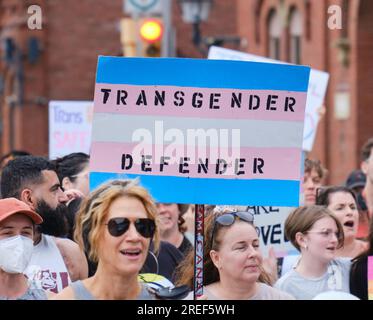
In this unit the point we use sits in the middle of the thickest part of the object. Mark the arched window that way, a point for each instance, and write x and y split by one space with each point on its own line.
257 9
296 32
308 19
274 34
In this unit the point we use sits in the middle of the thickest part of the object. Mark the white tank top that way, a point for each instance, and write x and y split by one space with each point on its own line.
47 268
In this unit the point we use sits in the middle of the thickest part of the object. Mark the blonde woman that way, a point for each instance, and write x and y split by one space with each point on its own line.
117 221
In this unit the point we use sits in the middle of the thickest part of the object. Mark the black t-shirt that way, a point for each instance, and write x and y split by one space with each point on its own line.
185 246
358 278
168 258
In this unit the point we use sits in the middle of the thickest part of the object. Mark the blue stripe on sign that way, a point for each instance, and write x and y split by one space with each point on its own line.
283 193
202 73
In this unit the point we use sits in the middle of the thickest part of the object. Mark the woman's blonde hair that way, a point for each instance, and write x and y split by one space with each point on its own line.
303 218
94 209
185 271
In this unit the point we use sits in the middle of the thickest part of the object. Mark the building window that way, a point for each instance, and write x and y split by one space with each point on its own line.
296 31
308 19
257 9
274 34
345 20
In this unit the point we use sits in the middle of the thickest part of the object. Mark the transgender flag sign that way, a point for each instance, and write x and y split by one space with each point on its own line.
201 131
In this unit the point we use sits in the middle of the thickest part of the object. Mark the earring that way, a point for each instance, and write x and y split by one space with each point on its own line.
305 246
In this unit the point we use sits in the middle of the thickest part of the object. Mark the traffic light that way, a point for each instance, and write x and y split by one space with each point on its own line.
151 33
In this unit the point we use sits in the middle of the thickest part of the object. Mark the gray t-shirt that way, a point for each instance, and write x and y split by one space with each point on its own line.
32 293
81 292
335 279
265 292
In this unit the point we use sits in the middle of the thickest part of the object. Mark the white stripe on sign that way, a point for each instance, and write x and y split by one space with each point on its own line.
211 132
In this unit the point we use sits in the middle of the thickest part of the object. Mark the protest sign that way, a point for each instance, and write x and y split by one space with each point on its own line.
370 277
269 222
201 131
316 90
70 125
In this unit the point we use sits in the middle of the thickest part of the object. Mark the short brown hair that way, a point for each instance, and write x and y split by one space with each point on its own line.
303 218
316 165
366 149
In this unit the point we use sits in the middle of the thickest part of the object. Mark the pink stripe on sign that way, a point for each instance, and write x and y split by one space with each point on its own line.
200 102
370 268
257 163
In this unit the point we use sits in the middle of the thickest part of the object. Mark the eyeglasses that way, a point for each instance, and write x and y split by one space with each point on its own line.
118 226
327 233
227 219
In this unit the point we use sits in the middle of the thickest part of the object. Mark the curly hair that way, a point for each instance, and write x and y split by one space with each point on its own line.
21 173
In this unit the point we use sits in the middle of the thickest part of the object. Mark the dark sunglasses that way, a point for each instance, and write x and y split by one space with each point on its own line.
227 219
118 226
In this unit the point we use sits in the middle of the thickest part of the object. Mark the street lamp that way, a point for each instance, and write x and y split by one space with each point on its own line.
195 12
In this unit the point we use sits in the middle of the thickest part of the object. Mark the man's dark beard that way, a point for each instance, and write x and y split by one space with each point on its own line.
54 220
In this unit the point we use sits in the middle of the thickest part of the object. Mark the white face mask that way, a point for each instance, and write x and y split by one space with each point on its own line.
15 253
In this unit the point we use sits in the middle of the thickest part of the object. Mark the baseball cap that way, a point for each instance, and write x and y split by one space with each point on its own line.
10 206
356 179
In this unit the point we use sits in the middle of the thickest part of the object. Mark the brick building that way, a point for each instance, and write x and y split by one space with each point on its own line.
58 62
73 34
297 31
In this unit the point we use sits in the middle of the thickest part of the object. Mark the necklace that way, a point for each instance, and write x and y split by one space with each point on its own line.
335 277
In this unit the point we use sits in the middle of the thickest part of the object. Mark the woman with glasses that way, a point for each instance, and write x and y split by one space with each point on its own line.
342 202
317 233
118 222
232 260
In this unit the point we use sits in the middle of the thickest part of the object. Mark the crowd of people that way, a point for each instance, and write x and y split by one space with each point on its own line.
59 240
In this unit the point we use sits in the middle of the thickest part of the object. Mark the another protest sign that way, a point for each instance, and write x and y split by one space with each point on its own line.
269 222
370 277
70 125
316 90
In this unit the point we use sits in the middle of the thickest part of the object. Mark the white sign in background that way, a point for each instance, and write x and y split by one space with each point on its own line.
143 6
316 90
269 222
70 127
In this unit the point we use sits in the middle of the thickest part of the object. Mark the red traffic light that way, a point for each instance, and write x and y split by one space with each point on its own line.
151 30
